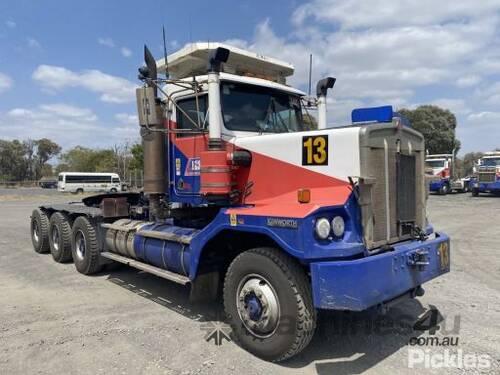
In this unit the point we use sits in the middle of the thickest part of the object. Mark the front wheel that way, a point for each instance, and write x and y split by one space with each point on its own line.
268 301
475 192
443 190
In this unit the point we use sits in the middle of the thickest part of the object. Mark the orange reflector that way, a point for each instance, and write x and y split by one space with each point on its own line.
304 195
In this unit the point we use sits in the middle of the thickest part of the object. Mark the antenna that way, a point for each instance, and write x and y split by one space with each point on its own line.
310 72
167 75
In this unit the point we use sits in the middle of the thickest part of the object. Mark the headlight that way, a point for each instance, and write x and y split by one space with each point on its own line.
338 226
323 228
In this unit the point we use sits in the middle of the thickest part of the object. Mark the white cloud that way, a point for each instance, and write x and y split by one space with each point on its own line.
68 125
5 82
127 119
468 81
33 43
11 24
399 53
356 14
125 52
110 88
108 42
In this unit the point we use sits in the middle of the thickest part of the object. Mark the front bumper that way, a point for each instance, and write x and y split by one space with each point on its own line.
486 186
362 283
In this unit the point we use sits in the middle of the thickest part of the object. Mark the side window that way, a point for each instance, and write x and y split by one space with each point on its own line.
189 107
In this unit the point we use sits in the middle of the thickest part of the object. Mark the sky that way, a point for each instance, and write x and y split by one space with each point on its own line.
68 69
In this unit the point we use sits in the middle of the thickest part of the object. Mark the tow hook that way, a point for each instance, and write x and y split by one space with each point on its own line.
418 258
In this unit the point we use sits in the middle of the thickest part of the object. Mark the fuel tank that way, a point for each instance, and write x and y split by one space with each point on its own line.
163 245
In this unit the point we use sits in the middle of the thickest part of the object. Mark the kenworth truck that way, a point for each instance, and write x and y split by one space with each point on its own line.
238 198
444 179
487 174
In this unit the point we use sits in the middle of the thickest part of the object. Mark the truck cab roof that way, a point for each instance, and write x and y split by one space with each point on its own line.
192 61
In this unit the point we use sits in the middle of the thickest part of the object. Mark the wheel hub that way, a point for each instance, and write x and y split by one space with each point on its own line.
55 238
258 305
36 235
80 244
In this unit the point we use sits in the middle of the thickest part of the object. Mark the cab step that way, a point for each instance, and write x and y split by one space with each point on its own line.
175 277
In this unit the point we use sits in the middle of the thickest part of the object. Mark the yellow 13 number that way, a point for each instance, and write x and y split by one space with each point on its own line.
315 150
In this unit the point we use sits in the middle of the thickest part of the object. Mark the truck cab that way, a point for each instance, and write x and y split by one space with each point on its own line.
241 196
487 174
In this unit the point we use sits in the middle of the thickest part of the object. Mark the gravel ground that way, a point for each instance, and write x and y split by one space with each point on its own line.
54 320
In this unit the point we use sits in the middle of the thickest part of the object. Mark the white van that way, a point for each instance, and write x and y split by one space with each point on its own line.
80 182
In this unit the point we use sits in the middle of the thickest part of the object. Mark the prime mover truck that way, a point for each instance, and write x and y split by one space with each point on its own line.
240 199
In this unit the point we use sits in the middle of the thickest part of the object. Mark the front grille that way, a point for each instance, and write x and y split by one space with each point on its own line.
406 189
392 188
487 177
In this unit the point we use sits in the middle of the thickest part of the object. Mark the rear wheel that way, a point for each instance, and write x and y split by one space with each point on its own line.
475 192
60 237
268 301
40 231
85 247
113 190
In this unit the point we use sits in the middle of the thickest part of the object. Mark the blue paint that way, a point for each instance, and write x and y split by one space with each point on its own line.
436 185
362 283
254 307
486 187
373 114
169 255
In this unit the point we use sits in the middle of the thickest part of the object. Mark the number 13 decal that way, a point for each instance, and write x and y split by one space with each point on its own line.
315 150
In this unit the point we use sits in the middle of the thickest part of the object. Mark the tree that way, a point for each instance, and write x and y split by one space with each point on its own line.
137 162
46 149
437 125
468 162
309 122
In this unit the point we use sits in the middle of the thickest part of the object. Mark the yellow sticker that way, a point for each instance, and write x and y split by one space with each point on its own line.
233 220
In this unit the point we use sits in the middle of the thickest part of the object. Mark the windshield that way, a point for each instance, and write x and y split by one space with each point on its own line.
491 162
434 163
260 109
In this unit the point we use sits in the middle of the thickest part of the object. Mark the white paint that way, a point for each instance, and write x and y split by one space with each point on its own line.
343 150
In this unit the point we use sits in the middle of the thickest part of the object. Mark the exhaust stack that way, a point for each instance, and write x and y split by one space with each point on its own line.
153 139
321 90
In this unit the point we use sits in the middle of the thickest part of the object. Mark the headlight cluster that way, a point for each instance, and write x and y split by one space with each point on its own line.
324 227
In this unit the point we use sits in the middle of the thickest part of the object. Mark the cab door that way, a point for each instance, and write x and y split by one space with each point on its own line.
186 145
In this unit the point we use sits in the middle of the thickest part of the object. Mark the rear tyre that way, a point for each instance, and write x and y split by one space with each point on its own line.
85 247
268 301
475 192
113 190
40 231
79 191
60 237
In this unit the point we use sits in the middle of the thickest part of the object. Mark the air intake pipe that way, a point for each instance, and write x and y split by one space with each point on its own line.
321 89
215 60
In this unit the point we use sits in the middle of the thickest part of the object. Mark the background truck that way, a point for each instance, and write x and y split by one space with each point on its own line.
238 199
487 174
443 174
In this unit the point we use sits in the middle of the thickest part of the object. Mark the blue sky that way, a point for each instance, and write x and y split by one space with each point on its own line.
67 69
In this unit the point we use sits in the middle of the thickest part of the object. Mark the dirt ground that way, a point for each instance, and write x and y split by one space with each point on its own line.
54 320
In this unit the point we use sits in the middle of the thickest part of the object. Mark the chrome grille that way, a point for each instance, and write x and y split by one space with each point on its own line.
392 187
487 177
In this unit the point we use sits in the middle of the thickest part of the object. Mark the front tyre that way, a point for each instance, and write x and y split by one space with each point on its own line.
443 190
475 192
268 301
85 246
40 231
